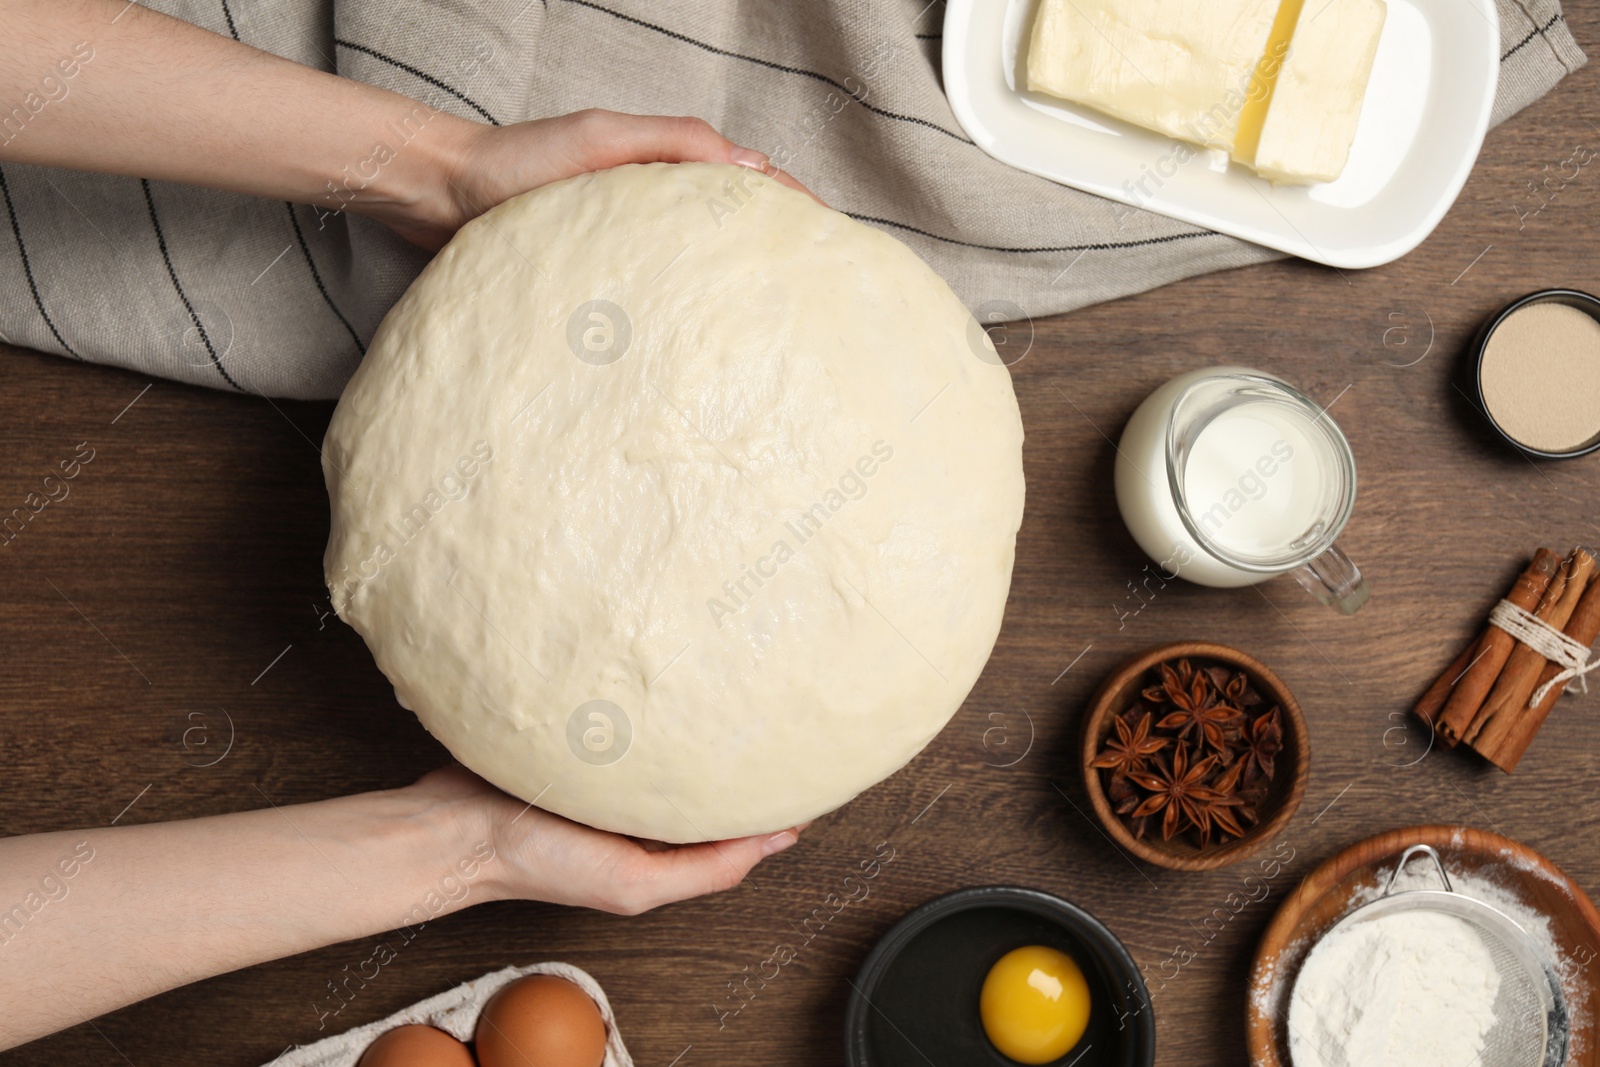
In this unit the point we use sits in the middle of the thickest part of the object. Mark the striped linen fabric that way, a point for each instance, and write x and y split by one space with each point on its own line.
257 296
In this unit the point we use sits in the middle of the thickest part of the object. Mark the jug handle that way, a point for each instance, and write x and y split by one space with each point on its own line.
1333 579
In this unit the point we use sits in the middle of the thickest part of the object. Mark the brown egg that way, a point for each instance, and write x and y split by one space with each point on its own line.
541 1021
416 1046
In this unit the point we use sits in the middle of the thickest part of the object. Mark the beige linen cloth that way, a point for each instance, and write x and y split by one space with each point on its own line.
266 297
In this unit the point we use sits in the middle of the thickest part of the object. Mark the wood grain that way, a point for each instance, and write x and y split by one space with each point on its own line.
188 558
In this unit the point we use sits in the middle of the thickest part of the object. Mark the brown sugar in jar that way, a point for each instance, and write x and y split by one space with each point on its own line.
1539 374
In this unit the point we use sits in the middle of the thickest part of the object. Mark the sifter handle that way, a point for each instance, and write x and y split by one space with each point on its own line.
1405 858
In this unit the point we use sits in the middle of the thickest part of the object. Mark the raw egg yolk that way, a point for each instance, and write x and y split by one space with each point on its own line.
1034 1004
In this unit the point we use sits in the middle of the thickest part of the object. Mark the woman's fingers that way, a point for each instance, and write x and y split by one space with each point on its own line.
664 139
597 139
493 163
542 856
662 877
610 139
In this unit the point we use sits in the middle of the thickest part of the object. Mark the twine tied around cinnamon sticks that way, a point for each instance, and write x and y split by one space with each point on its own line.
1499 691
1550 643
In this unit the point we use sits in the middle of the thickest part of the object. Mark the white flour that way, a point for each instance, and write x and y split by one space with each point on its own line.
1409 989
1499 887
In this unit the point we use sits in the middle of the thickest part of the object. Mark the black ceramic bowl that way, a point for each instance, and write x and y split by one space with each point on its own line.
915 1001
1574 298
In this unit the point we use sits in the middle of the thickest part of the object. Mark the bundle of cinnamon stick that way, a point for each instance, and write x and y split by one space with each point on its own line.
1482 699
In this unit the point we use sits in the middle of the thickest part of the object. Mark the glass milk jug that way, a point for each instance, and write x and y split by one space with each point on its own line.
1230 476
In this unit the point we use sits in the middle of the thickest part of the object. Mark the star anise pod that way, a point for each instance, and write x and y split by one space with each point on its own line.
1262 741
1227 779
1212 723
1176 791
1124 798
1136 711
1232 808
1194 750
1182 685
1249 811
1220 677
1131 749
1216 809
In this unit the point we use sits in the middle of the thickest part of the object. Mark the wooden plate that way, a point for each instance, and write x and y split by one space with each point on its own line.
1326 896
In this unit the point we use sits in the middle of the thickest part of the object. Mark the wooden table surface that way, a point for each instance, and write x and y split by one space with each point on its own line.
187 559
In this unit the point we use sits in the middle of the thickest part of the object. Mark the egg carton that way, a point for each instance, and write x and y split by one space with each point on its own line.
454 1011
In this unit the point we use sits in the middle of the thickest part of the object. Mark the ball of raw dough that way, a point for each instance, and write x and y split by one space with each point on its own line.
675 502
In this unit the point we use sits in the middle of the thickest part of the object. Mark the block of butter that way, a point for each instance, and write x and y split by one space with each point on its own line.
1179 67
1278 84
1316 101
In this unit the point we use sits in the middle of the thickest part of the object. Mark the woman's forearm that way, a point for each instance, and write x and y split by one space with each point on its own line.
106 85
94 919
110 86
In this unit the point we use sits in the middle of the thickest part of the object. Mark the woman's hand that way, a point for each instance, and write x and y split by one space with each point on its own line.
111 915
489 164
540 856
160 98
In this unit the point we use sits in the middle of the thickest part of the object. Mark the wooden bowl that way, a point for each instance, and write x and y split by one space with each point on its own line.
1293 764
1328 894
